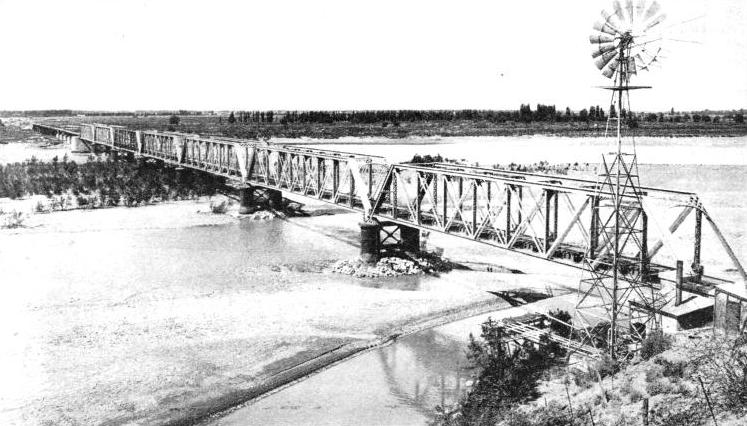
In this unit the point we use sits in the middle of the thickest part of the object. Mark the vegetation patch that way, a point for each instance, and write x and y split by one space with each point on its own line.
102 183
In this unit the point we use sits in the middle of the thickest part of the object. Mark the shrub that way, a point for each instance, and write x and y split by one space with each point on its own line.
606 366
40 207
659 386
635 395
12 219
654 344
219 208
672 368
679 411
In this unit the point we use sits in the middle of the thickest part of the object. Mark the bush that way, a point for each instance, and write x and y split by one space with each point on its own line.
219 208
507 377
659 386
12 219
679 411
654 344
606 366
722 363
672 368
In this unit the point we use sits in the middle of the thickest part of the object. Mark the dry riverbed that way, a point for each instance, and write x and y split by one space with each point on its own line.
156 352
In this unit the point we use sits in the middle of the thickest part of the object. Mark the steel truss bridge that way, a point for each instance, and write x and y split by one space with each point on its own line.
544 216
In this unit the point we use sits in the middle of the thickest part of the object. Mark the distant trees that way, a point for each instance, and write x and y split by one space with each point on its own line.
174 120
526 113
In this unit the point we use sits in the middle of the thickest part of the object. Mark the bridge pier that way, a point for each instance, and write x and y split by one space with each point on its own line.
409 238
378 237
275 198
246 200
370 241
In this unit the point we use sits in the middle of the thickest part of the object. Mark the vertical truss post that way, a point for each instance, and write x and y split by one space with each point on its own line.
370 180
267 166
434 179
289 161
393 193
304 158
446 202
519 202
320 176
509 189
555 215
474 207
279 167
419 198
549 216
335 178
352 189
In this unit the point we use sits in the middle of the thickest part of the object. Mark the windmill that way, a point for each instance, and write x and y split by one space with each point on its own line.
618 298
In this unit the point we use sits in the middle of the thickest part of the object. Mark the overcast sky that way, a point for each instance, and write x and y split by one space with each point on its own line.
328 54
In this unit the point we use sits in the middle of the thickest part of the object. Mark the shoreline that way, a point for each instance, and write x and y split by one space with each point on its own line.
318 364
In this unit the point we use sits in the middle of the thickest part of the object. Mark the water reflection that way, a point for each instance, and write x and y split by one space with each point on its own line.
425 369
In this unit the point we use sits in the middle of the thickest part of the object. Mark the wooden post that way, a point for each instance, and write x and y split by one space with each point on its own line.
696 267
678 284
644 411
708 401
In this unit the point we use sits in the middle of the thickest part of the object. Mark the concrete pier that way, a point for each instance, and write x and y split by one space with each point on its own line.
370 243
246 200
409 239
275 198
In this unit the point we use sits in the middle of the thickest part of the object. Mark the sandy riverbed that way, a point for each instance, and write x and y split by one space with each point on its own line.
159 352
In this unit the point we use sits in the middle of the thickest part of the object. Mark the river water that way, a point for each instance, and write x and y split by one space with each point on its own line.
396 384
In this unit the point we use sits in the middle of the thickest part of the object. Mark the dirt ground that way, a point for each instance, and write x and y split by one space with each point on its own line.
74 355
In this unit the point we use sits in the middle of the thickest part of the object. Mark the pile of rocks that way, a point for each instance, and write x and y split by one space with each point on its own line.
386 267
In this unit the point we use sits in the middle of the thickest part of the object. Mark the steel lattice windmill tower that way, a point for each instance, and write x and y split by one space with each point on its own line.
617 299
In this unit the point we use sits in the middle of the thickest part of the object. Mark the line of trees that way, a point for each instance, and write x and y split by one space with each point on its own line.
524 114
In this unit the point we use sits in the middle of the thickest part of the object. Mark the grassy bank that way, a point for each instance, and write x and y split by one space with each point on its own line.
692 378
216 126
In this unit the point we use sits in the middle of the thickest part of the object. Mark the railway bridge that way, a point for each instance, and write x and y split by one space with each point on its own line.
552 217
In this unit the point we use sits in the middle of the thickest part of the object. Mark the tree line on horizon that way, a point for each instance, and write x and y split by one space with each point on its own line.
525 114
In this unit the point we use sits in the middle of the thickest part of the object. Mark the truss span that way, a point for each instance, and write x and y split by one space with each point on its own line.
545 216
